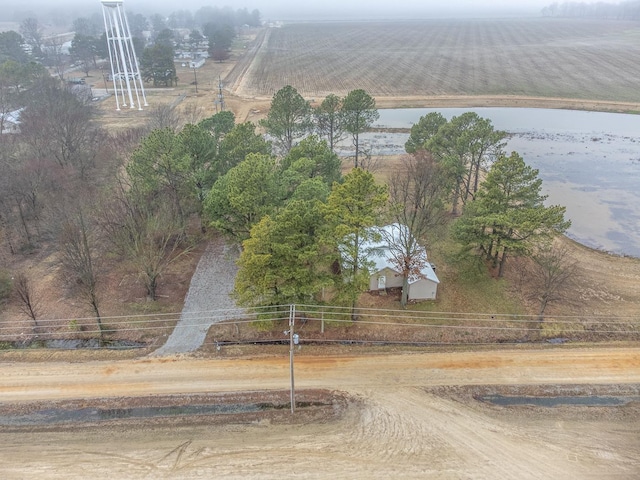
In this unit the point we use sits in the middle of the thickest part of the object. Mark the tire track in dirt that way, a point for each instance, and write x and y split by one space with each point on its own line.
428 433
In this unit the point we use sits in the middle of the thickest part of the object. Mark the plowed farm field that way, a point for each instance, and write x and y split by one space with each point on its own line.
561 58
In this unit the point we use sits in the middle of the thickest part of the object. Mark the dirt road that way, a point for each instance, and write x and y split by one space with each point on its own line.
37 381
400 427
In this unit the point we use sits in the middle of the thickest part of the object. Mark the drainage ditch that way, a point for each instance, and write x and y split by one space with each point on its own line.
584 401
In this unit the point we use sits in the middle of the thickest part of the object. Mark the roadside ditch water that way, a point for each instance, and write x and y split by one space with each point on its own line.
588 401
92 415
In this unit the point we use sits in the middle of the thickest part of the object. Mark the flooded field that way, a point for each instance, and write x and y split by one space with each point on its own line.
588 161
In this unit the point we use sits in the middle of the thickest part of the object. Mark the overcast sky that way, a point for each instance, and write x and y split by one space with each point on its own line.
302 9
401 8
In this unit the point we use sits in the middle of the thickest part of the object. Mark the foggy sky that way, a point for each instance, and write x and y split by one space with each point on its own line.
295 9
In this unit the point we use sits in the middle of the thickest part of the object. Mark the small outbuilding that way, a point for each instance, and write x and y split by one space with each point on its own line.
196 63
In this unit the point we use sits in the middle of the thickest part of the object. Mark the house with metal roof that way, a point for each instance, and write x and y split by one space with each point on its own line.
10 121
386 273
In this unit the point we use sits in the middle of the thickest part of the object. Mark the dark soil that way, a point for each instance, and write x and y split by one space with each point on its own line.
233 408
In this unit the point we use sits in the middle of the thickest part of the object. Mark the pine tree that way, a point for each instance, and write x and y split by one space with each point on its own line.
508 216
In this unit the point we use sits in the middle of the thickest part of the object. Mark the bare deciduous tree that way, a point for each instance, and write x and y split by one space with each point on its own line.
55 56
192 114
79 259
32 33
58 126
158 242
416 195
28 297
164 116
554 276
151 236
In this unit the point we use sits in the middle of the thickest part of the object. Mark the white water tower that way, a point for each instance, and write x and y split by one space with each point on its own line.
125 73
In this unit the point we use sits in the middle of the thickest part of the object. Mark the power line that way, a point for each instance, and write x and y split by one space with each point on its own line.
138 329
336 310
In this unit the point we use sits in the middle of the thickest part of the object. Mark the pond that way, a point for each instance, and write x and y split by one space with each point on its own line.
589 162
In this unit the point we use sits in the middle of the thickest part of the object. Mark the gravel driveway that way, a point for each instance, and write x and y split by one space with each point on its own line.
208 299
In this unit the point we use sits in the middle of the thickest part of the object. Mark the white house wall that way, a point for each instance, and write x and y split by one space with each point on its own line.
392 280
423 290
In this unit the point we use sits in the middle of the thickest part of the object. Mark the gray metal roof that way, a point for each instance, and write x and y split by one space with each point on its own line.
379 253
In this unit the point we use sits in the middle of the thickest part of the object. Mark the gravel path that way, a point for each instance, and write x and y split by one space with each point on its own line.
208 299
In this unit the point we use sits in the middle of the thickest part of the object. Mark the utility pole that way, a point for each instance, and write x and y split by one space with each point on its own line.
292 316
195 78
220 99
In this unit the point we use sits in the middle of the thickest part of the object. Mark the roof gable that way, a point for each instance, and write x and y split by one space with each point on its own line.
379 254
12 117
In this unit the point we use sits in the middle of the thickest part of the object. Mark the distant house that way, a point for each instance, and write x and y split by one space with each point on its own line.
385 273
196 63
10 121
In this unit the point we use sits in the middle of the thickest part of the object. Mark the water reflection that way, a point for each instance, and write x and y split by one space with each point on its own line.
588 161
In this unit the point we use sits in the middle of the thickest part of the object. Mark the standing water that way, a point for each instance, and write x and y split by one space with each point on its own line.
589 162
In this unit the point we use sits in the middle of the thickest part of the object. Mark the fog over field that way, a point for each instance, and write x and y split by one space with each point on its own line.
13 10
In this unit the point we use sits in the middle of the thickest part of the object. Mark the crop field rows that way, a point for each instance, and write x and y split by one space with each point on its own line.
584 59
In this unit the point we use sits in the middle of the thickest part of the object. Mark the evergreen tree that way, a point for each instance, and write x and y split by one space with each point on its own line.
508 216
311 158
159 169
329 120
289 118
423 131
283 261
156 64
358 113
353 207
241 140
464 146
243 196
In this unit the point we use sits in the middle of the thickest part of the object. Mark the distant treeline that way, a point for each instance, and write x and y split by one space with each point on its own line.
61 14
629 10
216 15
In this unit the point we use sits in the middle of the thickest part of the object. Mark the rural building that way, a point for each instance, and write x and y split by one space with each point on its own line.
196 63
10 121
385 274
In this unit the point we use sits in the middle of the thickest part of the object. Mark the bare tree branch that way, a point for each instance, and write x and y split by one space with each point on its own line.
554 275
29 301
